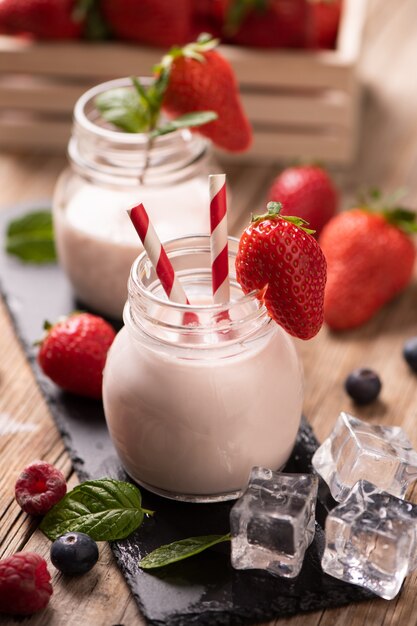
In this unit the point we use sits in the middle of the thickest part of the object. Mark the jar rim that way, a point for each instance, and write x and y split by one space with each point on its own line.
128 138
214 308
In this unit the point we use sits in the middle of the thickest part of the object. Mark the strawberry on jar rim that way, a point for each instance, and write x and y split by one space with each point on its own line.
370 259
280 259
74 351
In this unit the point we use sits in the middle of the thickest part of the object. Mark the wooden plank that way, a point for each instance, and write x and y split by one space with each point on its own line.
30 132
109 60
269 143
38 94
316 108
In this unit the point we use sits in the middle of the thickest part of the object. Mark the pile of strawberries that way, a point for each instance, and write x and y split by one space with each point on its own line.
259 23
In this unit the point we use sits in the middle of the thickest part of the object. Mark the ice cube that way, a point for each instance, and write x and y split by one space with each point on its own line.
371 540
355 450
272 523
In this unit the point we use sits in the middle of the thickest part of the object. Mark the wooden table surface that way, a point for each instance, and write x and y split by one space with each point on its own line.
387 158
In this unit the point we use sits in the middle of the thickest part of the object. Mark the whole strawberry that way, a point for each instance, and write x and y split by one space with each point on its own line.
45 19
370 260
268 23
324 22
74 351
308 192
280 259
199 78
154 22
208 16
24 584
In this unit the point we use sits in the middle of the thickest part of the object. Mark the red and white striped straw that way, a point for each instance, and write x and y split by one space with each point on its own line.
218 239
157 255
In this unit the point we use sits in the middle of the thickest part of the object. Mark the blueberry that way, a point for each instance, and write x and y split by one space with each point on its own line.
410 353
74 553
363 385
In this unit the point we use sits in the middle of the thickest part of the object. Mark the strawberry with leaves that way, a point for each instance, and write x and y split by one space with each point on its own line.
268 23
195 87
280 260
370 258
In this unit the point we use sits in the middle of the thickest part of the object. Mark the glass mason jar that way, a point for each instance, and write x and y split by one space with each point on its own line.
191 408
96 243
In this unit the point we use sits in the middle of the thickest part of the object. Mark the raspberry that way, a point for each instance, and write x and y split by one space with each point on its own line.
39 487
24 584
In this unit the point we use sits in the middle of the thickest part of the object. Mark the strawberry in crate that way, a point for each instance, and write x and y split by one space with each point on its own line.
154 22
43 19
267 23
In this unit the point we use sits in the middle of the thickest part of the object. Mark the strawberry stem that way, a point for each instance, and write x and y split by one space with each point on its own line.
386 206
274 212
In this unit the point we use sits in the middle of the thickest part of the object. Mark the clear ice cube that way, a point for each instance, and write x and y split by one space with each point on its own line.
273 522
371 540
354 450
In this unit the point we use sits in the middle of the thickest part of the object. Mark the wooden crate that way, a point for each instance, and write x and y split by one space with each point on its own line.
301 104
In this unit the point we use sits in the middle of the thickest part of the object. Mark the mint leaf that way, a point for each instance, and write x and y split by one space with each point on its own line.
104 509
31 238
179 550
188 120
124 108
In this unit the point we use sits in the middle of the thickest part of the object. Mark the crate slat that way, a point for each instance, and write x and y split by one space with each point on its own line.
26 93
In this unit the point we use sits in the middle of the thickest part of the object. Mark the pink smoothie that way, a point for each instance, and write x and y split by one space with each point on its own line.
97 243
198 425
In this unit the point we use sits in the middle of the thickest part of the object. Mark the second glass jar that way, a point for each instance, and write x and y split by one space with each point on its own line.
111 171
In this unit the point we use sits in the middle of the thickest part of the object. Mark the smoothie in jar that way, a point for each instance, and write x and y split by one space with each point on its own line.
109 171
191 409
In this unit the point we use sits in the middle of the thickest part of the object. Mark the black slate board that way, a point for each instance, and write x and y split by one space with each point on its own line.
204 590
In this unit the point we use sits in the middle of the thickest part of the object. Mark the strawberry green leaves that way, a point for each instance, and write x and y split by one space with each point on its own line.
104 509
274 211
388 206
179 550
31 238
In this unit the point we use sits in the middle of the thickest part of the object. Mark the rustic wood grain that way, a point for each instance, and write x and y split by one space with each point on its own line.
387 157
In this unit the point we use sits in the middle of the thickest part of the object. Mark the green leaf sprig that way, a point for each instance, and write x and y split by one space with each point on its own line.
179 550
31 238
104 509
137 109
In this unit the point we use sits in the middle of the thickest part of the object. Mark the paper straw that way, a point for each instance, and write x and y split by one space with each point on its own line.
157 255
218 239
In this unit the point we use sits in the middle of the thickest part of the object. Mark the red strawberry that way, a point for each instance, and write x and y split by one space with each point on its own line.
73 353
324 22
201 79
269 23
308 192
45 19
369 261
278 257
155 22
209 17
